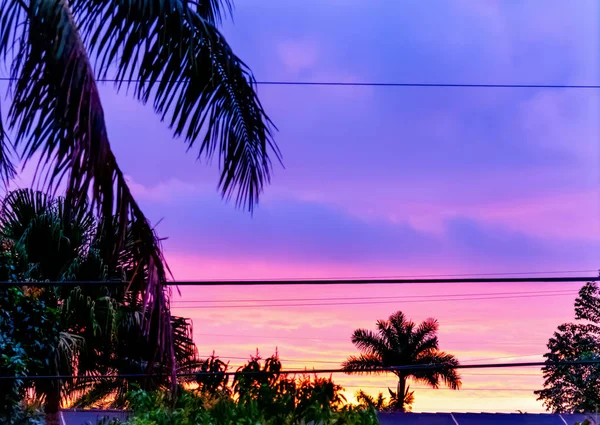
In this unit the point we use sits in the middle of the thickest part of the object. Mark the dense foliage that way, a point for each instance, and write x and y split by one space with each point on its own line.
259 394
169 53
28 339
70 330
269 408
400 342
572 388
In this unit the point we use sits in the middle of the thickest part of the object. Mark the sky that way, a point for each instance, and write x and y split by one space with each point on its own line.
382 181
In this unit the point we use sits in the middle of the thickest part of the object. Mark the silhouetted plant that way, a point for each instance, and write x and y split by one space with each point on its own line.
400 342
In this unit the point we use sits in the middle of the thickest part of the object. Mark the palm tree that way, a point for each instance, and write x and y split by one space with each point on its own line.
169 53
400 342
100 326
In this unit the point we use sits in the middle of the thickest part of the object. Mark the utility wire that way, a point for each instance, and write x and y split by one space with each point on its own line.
313 371
449 85
373 84
241 306
316 361
244 300
447 389
375 281
343 339
321 281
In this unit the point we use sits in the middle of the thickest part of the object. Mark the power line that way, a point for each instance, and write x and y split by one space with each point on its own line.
367 281
322 281
375 84
447 389
506 343
400 297
241 306
316 361
448 85
313 371
236 366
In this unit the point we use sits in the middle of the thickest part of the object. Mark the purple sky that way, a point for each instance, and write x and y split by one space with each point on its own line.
394 181
440 178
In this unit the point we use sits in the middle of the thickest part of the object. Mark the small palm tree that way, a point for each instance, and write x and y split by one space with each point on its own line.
400 342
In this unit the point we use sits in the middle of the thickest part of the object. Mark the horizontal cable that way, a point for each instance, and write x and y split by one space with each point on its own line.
323 281
298 338
368 281
371 84
448 389
240 306
292 282
449 85
314 371
399 297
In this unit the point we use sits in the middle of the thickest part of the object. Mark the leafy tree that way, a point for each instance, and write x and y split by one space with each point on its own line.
366 400
261 384
169 53
213 376
96 329
567 387
400 342
155 408
28 336
381 404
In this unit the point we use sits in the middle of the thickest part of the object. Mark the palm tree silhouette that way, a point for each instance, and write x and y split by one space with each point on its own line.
168 53
100 326
400 342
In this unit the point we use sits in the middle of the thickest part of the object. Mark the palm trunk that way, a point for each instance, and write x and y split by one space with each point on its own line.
401 391
51 407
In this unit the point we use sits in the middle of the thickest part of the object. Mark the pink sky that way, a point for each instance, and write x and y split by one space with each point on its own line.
383 182
393 181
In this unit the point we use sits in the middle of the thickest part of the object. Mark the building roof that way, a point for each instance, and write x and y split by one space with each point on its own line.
89 416
485 419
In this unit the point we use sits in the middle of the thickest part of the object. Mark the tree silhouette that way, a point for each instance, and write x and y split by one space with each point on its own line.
400 342
169 53
98 329
570 388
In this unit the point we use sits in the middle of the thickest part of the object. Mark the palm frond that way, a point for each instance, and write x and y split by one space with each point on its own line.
362 362
19 209
7 168
56 113
448 374
174 56
425 330
214 10
369 342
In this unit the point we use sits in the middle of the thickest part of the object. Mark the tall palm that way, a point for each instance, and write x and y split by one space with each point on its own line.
400 342
101 326
169 53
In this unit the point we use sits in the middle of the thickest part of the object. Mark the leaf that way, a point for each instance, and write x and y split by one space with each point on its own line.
174 57
57 117
7 168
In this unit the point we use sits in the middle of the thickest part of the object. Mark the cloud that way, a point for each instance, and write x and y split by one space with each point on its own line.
285 232
298 55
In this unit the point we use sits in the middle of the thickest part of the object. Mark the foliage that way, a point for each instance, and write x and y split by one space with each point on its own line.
95 329
156 408
575 388
213 377
260 384
173 55
28 335
400 342
380 404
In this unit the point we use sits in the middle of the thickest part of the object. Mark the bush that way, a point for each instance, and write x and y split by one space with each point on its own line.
156 408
